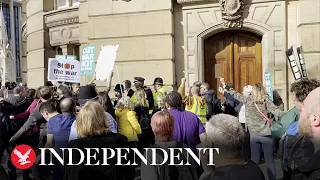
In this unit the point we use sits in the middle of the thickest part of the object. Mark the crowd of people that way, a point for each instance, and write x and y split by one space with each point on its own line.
248 128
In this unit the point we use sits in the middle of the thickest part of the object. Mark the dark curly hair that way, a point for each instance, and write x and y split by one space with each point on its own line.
174 100
303 87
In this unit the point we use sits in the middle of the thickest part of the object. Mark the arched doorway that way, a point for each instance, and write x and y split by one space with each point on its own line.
234 55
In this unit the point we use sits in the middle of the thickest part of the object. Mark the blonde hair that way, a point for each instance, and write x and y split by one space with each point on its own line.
259 93
91 120
125 103
161 97
141 98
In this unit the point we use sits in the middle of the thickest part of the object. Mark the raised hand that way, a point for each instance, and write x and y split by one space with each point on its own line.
183 80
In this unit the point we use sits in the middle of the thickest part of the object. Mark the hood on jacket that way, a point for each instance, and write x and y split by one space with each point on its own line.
16 100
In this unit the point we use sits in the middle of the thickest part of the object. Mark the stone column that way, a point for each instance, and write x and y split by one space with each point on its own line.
38 46
13 39
24 42
67 49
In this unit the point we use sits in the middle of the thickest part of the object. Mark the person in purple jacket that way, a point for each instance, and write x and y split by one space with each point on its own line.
188 129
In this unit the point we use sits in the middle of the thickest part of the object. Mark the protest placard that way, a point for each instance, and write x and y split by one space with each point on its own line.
64 70
105 63
88 61
268 84
66 57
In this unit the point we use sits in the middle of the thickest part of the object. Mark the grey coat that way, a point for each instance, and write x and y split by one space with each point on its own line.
255 122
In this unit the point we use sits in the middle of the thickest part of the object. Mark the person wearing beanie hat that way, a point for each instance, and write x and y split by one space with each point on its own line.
118 90
159 90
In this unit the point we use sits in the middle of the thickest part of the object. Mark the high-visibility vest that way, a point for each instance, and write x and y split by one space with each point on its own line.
162 92
134 100
199 110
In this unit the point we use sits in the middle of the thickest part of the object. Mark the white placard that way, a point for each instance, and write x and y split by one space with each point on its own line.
105 63
65 70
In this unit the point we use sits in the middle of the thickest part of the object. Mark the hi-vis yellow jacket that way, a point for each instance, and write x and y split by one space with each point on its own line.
195 104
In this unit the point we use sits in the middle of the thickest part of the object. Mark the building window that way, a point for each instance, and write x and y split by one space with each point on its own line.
60 4
17 40
6 14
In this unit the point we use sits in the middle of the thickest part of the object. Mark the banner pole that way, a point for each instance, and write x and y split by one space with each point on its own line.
119 81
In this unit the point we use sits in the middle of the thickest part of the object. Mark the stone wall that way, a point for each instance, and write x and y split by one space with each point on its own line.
142 28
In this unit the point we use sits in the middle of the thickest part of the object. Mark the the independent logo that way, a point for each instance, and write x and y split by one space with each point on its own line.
23 156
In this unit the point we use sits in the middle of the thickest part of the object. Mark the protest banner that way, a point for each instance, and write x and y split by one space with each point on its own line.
105 63
268 84
88 61
293 64
64 70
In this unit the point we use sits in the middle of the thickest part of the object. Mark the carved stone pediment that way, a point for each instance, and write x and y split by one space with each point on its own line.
232 11
63 25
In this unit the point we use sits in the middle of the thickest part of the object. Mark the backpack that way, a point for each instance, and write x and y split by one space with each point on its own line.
170 172
294 149
144 120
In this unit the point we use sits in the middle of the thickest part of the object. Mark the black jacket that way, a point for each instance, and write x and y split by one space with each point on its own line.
149 97
213 103
310 170
110 172
34 119
18 104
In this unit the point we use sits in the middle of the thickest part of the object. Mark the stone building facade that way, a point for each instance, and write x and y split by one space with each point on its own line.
196 39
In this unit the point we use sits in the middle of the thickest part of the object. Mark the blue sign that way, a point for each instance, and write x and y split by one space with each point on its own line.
87 67
268 84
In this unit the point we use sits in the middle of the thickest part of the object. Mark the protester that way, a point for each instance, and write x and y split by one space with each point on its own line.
128 90
295 149
188 129
128 124
75 90
299 91
212 101
30 94
194 102
58 126
141 107
257 105
161 104
105 101
226 133
89 93
159 90
162 124
118 91
94 131
309 126
31 138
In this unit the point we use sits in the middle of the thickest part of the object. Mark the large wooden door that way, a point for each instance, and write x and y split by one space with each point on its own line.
239 56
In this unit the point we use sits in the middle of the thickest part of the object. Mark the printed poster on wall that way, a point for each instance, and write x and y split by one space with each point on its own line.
268 84
105 63
88 61
64 70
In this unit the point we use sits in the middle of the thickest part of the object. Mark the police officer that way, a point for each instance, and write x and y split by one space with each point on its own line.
138 84
159 90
